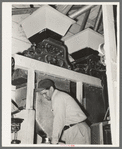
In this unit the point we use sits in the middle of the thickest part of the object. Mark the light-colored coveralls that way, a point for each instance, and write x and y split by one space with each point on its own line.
66 111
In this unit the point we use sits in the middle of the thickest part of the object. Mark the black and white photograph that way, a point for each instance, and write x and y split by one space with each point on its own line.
60 86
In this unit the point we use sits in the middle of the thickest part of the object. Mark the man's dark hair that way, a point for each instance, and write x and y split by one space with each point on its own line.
46 84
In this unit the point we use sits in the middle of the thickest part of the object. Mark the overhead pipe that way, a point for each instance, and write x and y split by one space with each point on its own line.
85 20
98 20
81 11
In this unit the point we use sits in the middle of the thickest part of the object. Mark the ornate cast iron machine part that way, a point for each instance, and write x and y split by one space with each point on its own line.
50 51
15 127
15 123
89 65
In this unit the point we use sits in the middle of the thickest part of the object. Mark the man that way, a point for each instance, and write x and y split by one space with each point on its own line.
69 119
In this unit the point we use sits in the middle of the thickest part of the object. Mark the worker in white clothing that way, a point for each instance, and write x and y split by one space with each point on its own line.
69 119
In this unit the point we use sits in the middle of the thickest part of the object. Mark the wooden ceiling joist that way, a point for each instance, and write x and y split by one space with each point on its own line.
19 11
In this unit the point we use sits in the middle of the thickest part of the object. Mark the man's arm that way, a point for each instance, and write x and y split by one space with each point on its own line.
59 111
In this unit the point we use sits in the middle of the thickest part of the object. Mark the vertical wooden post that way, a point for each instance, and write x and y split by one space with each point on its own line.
30 89
79 91
26 134
111 70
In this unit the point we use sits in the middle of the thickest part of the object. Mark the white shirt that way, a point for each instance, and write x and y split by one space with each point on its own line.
66 111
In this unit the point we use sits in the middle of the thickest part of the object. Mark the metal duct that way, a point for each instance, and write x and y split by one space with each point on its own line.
81 11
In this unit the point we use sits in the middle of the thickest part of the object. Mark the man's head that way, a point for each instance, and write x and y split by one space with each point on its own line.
46 88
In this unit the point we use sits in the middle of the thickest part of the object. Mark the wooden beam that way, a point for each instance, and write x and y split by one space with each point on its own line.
30 89
64 8
98 20
28 63
81 11
79 89
111 70
75 7
19 11
85 20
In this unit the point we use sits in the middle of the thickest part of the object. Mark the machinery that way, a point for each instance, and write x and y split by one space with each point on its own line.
49 45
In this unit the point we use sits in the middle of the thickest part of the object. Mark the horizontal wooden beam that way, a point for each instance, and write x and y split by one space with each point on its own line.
28 63
19 11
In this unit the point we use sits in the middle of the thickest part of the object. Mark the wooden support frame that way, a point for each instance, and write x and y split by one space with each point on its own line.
28 63
33 65
111 70
79 92
30 89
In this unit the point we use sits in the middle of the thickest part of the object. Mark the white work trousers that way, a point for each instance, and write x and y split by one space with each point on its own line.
77 134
